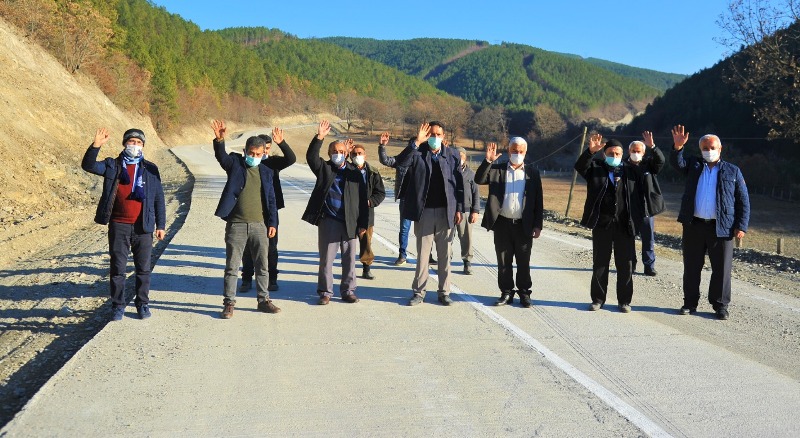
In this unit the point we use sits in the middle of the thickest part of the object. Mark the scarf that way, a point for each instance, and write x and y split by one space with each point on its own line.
137 193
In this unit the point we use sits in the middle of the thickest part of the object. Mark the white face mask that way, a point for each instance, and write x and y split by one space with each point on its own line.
337 159
710 156
358 160
636 157
133 150
516 159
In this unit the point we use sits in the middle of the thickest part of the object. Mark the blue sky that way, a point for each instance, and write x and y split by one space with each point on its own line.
667 35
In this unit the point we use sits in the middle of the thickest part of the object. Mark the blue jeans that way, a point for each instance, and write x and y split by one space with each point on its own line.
405 228
648 243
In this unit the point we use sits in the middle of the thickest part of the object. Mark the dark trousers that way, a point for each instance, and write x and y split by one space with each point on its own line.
604 239
272 261
648 243
510 242
699 239
122 240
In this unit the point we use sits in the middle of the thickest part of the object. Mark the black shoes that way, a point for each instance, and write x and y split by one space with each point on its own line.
444 299
506 297
722 314
595 306
117 312
650 271
525 298
143 310
467 267
366 274
687 310
625 308
416 299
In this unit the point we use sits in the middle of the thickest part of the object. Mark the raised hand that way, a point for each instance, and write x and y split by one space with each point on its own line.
648 139
277 135
219 129
679 137
595 143
424 133
100 137
323 129
385 138
491 152
349 145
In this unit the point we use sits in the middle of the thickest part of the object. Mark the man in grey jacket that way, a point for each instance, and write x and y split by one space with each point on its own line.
650 160
472 206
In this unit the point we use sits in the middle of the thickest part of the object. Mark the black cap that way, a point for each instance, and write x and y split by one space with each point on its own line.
133 133
613 143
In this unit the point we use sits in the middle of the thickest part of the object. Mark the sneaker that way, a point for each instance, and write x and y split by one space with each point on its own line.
445 299
273 285
400 261
687 310
416 299
595 307
650 271
267 307
467 267
247 284
350 298
625 308
227 311
117 312
143 311
722 313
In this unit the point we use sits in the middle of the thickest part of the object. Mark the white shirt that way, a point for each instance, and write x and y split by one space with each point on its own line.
514 197
705 199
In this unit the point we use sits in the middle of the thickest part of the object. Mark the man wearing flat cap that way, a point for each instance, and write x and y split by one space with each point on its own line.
614 210
132 205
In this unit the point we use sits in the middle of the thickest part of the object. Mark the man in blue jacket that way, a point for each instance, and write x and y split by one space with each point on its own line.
132 205
432 198
248 206
715 208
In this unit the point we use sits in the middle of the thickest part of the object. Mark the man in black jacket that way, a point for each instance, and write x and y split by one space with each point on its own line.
614 210
248 206
432 198
375 195
132 205
276 163
472 207
338 207
649 159
515 213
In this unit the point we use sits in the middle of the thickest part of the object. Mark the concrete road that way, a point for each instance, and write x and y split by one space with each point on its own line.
381 368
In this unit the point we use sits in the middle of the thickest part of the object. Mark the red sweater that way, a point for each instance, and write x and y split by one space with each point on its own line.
126 211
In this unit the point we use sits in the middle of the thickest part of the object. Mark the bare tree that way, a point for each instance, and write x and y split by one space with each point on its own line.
84 33
370 111
547 123
489 125
347 107
766 71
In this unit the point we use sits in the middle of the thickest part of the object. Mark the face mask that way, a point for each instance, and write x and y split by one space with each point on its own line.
516 159
251 161
613 161
133 150
265 156
710 156
435 143
358 160
636 157
337 159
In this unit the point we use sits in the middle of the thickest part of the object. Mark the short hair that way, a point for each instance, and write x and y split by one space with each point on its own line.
334 143
359 146
254 142
635 143
518 141
711 137
433 123
265 137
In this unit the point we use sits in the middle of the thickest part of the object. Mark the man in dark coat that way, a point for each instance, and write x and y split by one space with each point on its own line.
375 195
649 159
276 163
132 205
614 210
715 208
248 206
338 207
432 198
515 213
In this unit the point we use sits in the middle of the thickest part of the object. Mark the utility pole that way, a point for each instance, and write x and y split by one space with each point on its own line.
575 174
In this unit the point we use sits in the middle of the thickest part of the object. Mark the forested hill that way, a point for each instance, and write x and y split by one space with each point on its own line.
415 56
518 77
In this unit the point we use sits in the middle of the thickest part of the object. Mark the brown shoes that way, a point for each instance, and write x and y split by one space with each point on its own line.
323 300
350 298
227 312
268 307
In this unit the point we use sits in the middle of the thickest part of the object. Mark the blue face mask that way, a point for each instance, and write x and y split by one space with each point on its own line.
435 143
337 159
613 161
251 161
